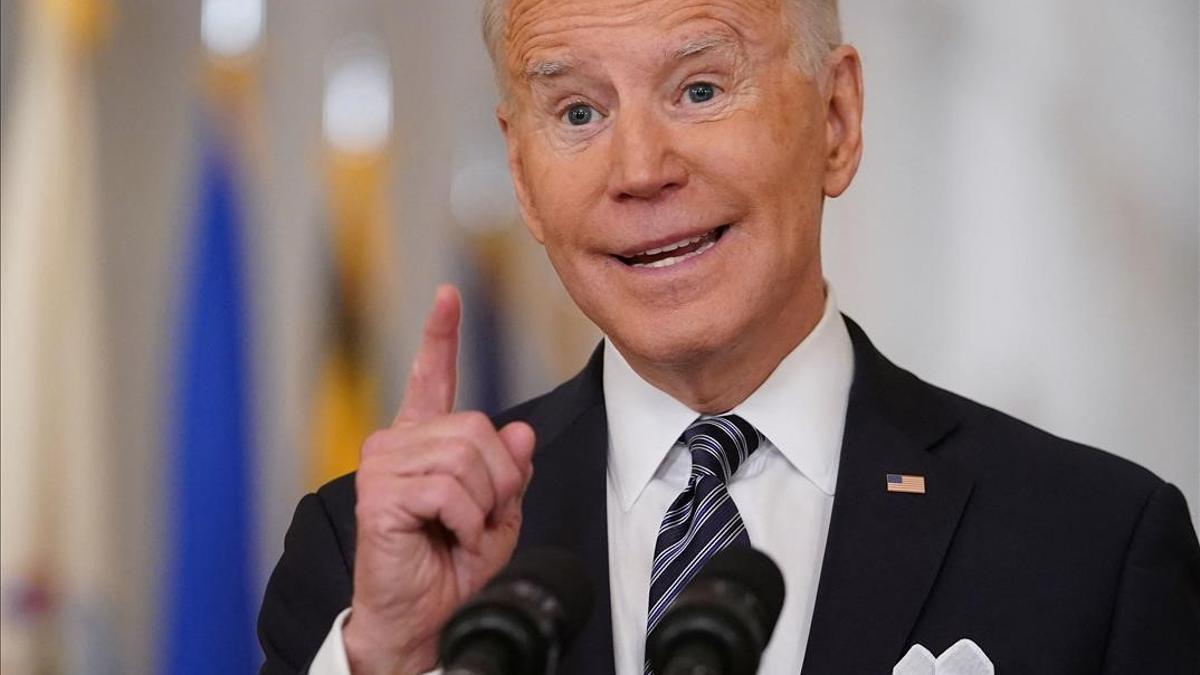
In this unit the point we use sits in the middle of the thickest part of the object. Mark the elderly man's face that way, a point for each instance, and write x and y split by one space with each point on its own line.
673 160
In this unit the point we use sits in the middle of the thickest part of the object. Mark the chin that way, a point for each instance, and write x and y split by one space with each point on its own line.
671 342
672 329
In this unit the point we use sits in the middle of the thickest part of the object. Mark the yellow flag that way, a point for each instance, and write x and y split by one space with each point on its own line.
346 402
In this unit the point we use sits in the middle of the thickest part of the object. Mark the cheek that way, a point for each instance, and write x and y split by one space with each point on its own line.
770 160
563 189
770 154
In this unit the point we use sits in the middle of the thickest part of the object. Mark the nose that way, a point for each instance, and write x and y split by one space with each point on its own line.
643 164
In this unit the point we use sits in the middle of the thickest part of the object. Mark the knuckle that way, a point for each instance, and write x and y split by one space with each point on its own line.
376 443
476 423
371 468
366 467
460 456
364 482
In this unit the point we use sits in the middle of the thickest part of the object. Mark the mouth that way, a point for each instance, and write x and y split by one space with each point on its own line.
675 252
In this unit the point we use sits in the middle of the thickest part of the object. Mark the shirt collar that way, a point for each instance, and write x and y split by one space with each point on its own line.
800 408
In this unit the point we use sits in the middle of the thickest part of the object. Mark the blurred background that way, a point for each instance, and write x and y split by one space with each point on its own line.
224 220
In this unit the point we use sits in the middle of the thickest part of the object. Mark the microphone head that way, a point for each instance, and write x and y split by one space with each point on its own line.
561 575
521 620
723 619
756 572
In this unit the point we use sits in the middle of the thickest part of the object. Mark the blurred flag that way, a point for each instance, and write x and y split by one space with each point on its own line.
484 334
482 205
520 330
211 586
357 126
57 567
211 594
346 402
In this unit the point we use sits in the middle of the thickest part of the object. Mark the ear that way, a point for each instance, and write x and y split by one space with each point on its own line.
843 91
516 168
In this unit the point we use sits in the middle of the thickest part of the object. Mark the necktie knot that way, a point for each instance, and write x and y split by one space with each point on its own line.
719 445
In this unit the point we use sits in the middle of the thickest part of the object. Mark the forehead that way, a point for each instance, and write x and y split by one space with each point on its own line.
537 30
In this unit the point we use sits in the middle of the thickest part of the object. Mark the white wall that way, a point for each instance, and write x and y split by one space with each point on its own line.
1024 229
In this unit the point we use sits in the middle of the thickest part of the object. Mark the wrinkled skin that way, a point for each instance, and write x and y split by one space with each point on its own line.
654 163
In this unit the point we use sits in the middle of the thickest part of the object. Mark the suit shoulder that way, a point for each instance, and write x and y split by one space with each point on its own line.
551 413
338 498
523 410
338 493
1010 456
1002 447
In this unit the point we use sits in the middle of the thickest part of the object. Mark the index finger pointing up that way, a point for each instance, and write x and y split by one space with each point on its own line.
434 376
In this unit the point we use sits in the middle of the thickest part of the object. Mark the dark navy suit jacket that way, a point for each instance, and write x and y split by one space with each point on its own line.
1054 557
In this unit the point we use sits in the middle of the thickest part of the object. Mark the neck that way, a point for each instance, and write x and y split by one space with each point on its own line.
717 382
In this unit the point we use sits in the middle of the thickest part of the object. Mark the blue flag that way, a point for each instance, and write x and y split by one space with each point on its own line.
211 591
483 335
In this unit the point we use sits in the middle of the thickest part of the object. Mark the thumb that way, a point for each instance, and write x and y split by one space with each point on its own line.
519 439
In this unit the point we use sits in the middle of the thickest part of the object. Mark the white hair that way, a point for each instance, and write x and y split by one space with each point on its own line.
814 24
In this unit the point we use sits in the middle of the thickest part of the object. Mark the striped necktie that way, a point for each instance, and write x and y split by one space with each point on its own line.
703 519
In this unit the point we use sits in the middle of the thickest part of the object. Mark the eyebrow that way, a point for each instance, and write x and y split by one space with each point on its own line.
704 43
547 69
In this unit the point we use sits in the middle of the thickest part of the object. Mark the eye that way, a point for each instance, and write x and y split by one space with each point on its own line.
700 92
579 114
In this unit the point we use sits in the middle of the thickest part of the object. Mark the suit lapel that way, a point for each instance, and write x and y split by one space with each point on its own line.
565 505
884 549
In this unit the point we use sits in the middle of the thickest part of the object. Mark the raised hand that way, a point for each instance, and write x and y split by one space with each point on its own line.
438 512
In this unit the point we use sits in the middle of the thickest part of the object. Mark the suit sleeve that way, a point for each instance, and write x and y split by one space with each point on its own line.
1156 620
310 586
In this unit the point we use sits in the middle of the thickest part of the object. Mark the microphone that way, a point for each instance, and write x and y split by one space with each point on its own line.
520 621
721 622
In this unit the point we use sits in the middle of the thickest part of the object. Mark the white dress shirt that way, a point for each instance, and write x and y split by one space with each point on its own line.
784 491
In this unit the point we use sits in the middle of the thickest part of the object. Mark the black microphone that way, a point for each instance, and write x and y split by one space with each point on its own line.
721 622
519 623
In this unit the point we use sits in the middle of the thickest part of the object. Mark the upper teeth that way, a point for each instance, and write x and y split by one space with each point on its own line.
667 262
672 247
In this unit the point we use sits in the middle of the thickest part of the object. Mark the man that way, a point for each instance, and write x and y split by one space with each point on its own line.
673 157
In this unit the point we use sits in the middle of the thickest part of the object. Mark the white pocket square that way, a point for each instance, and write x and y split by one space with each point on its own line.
962 658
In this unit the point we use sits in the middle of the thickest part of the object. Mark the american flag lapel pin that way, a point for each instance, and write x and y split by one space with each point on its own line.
898 482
